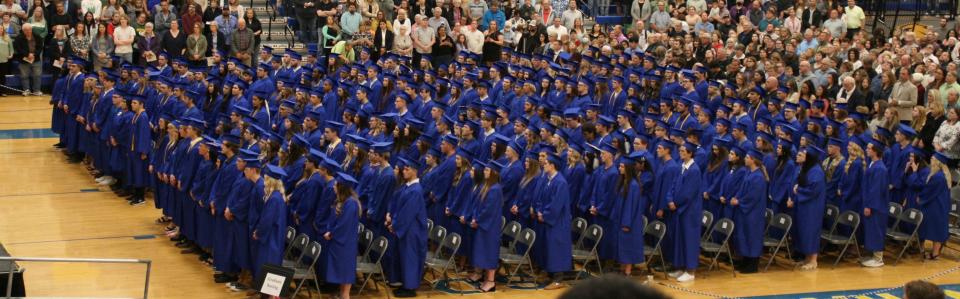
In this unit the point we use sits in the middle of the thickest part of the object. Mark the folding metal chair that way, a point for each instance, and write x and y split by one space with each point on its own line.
588 253
291 233
706 222
295 251
830 214
373 267
526 237
893 218
444 259
851 220
509 235
579 226
365 240
437 234
768 216
723 227
304 269
913 217
429 225
782 223
360 228
655 231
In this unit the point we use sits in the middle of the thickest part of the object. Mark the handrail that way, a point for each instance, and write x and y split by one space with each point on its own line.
146 284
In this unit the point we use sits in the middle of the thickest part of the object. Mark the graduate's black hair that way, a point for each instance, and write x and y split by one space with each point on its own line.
808 163
782 159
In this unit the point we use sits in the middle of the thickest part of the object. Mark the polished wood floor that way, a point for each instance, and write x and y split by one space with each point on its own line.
49 208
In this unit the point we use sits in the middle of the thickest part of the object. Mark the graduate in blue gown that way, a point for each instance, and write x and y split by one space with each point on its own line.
270 230
732 182
381 188
306 192
552 210
604 200
782 177
875 201
485 223
713 177
342 238
407 220
139 150
683 209
851 176
238 212
833 170
633 200
748 206
934 202
223 187
808 199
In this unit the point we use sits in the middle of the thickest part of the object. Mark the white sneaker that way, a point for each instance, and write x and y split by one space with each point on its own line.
686 277
100 179
873 263
26 92
38 93
108 182
675 274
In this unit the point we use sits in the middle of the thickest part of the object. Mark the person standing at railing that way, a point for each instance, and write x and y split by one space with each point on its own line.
307 18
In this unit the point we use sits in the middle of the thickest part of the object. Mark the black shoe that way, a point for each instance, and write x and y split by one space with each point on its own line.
188 251
225 278
183 244
59 145
137 202
404 293
178 238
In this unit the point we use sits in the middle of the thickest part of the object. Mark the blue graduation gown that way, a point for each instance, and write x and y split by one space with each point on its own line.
876 198
833 178
410 227
554 204
201 210
848 188
631 208
303 201
667 174
574 175
604 199
728 189
239 205
486 238
748 214
934 202
781 185
685 220
220 194
294 172
271 231
712 182
809 203
140 144
341 262
381 191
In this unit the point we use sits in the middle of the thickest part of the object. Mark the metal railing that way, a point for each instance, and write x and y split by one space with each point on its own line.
12 260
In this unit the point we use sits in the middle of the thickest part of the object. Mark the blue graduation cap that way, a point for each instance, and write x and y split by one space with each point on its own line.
252 162
346 180
907 131
275 171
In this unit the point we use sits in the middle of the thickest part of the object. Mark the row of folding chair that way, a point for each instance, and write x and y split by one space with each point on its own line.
440 260
587 237
302 255
716 237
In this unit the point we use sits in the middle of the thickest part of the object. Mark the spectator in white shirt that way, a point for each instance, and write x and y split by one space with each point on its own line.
557 29
401 21
571 15
123 37
474 38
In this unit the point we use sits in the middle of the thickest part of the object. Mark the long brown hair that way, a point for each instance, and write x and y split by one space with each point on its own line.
345 193
488 183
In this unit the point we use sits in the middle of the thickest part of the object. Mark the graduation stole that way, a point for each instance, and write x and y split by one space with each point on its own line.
831 165
133 136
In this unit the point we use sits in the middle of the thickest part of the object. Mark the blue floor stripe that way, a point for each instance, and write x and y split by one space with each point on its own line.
26 134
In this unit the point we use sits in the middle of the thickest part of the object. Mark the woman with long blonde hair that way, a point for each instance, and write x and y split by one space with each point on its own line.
269 233
934 202
342 239
848 188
